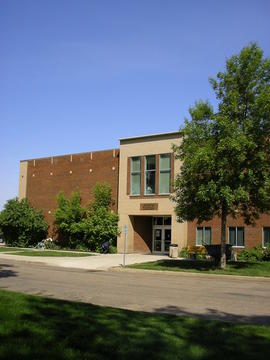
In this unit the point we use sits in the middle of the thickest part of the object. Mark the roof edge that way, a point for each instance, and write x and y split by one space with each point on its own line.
144 137
79 153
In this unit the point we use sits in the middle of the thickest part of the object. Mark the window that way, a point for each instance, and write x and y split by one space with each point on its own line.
162 220
135 176
266 236
164 173
150 175
236 236
203 236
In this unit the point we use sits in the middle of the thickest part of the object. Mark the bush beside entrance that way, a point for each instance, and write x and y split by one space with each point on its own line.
90 227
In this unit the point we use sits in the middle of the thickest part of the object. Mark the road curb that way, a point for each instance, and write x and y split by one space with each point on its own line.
194 274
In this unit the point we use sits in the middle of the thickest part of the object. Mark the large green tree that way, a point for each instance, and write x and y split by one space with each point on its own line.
68 217
101 224
21 224
87 227
225 153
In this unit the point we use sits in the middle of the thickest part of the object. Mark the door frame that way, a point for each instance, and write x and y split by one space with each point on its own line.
162 228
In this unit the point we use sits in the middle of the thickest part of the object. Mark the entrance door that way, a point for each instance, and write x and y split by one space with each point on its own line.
161 235
167 238
158 239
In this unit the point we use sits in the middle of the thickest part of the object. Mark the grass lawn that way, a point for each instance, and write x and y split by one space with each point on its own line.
207 267
33 327
51 253
36 252
8 248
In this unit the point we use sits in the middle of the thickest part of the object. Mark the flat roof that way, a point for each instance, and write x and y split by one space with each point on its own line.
172 133
70 154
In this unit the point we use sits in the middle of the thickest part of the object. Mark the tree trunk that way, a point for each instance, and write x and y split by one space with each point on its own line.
223 237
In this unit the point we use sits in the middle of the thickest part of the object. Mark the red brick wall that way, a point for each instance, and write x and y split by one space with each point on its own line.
253 234
142 234
48 176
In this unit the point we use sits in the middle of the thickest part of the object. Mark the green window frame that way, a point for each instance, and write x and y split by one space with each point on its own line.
135 175
150 175
164 174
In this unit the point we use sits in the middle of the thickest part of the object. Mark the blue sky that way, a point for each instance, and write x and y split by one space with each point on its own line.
77 75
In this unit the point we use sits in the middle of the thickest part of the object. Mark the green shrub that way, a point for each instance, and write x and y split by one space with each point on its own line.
51 245
101 226
184 252
86 229
21 224
192 251
251 255
68 220
102 196
112 249
266 253
82 247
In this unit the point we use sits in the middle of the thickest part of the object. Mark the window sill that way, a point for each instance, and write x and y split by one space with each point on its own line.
202 245
153 196
239 247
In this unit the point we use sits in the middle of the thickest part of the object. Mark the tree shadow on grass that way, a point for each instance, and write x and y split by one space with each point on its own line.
202 265
5 271
53 329
214 314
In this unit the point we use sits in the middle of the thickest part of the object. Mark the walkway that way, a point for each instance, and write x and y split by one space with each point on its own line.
98 262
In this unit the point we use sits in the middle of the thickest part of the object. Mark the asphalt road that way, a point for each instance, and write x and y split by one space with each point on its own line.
207 296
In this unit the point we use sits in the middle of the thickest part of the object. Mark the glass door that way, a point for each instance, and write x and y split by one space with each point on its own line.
167 238
157 239
161 235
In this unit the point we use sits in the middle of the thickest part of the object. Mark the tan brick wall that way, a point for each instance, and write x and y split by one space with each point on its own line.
159 205
48 176
253 234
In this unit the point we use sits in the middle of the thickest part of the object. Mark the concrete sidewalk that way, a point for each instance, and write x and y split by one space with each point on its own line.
97 262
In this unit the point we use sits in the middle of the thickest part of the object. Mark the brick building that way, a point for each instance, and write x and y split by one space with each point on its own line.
42 179
141 174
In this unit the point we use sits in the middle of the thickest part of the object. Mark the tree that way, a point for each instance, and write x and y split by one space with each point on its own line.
225 154
21 224
102 195
68 217
101 224
86 227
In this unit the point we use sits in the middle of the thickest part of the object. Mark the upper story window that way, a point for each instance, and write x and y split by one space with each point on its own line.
266 236
135 176
150 175
164 173
236 236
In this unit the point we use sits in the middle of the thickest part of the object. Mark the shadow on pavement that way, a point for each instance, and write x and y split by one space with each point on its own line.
5 271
